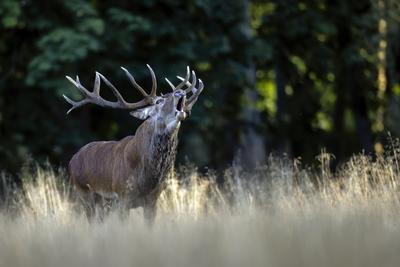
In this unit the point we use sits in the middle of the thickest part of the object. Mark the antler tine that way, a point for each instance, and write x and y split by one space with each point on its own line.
117 94
193 83
179 86
154 81
170 84
96 85
195 91
134 83
75 104
192 99
78 85
201 87
121 103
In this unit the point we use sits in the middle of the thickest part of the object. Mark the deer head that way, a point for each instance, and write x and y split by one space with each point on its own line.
166 111
170 109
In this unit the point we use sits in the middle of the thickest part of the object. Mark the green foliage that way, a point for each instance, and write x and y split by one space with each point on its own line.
10 12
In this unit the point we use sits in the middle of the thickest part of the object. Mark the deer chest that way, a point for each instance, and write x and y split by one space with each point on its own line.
160 163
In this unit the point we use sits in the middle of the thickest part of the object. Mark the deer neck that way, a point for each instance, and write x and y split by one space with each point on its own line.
157 152
163 147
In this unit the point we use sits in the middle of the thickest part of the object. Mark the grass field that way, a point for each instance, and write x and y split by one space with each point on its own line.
280 215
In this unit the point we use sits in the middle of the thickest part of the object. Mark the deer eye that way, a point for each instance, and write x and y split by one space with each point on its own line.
159 101
178 93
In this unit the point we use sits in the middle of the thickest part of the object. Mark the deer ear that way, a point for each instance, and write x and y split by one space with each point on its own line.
142 113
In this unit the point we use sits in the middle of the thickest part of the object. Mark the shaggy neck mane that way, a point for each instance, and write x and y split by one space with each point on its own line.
163 147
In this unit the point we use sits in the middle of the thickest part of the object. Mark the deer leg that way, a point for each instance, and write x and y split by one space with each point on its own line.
100 206
93 204
150 204
88 204
149 211
123 210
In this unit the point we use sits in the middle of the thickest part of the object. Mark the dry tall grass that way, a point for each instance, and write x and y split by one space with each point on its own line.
280 215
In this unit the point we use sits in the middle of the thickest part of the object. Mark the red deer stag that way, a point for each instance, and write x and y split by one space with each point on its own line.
132 170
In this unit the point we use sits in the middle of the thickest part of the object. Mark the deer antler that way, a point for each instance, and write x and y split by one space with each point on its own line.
184 81
192 89
95 98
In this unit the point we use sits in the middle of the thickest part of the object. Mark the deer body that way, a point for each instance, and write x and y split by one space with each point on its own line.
119 167
133 170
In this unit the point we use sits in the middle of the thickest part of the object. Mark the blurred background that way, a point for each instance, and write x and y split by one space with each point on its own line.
287 77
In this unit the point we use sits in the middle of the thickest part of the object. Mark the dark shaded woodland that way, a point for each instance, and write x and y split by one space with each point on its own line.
281 76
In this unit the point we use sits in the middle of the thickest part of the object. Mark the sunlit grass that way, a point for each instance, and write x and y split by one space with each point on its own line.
282 214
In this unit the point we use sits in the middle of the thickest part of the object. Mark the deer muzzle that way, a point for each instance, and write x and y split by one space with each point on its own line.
180 114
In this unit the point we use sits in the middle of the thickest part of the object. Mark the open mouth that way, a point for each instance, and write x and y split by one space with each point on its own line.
179 106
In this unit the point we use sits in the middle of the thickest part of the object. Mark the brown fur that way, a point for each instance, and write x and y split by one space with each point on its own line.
133 168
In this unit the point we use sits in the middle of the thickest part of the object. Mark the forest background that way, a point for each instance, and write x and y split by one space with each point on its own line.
286 77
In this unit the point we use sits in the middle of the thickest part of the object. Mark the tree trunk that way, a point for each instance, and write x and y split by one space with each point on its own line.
283 144
252 146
